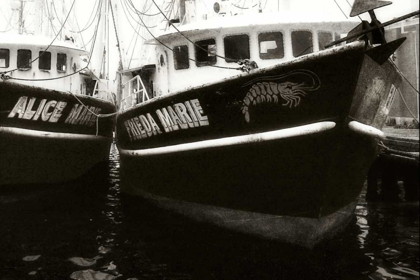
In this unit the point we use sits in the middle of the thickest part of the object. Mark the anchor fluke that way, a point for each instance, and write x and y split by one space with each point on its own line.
381 53
362 6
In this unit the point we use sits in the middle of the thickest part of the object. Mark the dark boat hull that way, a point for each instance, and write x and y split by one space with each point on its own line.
285 165
48 136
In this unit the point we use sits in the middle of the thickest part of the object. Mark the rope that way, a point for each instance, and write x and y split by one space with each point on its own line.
189 40
405 78
127 6
49 18
142 13
340 9
406 105
125 12
93 113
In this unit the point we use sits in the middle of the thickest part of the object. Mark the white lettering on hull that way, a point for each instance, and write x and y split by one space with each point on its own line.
52 110
179 116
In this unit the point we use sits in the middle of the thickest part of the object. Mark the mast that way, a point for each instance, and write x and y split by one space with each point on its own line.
21 23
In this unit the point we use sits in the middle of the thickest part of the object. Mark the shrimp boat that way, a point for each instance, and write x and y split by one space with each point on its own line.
257 123
49 107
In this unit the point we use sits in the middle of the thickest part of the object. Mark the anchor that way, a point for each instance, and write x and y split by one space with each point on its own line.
373 33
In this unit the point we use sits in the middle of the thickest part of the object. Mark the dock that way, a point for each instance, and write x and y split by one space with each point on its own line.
395 173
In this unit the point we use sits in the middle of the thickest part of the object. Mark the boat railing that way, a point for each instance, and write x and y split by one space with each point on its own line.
134 92
100 93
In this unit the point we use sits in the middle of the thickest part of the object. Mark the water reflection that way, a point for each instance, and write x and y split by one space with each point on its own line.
389 237
89 229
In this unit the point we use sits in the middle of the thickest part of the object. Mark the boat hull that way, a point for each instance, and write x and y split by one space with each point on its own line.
281 153
48 136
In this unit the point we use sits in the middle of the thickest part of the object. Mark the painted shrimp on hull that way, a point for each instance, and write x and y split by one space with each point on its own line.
264 90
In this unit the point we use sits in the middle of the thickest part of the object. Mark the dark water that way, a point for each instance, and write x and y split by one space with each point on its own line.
88 229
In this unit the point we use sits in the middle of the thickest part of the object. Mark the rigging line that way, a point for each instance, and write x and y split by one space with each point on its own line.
8 23
138 34
189 58
143 14
4 77
90 40
148 9
88 25
170 8
93 113
205 5
406 106
242 8
4 31
77 24
134 48
134 17
49 18
142 24
48 45
136 38
1 10
340 9
58 18
130 6
405 78
189 40
265 5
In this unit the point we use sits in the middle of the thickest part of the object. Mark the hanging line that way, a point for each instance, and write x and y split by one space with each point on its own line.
93 113
247 65
166 46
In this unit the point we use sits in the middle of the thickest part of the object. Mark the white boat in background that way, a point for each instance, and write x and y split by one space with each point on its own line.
51 106
259 123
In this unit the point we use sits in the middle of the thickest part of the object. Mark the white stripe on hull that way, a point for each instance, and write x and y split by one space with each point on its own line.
48 134
236 140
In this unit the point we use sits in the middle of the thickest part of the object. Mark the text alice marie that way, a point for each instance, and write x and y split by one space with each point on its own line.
52 110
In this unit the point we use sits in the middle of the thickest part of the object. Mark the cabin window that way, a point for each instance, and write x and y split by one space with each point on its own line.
181 57
24 59
4 58
44 61
271 45
236 48
205 52
323 39
61 62
302 43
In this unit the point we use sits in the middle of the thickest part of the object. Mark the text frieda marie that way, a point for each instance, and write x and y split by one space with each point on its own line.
52 110
174 117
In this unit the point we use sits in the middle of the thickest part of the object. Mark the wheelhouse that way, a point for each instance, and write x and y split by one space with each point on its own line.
35 62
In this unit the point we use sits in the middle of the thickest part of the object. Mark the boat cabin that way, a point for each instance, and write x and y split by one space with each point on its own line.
25 59
208 51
